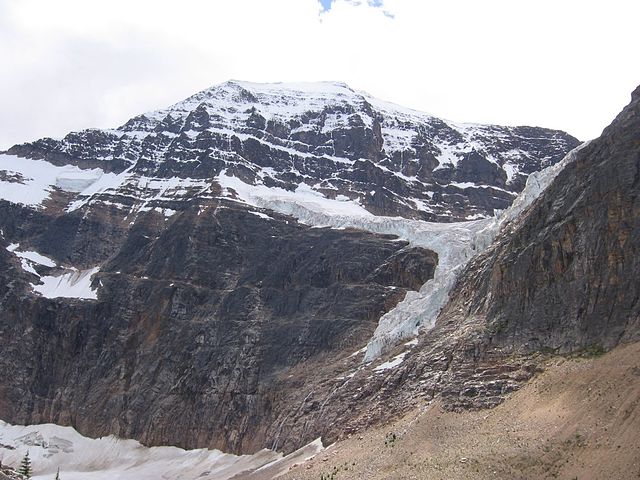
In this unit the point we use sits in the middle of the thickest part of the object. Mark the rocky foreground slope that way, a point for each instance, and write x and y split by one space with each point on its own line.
578 419
146 291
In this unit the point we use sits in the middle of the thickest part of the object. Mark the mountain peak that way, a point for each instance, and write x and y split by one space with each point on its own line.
231 88
280 99
325 138
318 87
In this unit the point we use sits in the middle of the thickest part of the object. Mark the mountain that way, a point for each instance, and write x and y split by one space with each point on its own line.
554 296
320 138
212 274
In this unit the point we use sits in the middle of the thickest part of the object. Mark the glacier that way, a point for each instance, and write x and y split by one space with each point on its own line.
33 181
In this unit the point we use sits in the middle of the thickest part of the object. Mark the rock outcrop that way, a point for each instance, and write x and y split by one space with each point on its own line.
565 277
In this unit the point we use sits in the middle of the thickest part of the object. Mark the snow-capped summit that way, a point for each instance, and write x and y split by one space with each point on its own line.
324 138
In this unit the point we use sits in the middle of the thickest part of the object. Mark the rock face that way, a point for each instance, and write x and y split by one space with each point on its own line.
573 261
7 473
559 279
192 322
144 291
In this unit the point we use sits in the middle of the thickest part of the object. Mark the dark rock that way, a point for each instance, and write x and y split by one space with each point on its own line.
195 319
565 279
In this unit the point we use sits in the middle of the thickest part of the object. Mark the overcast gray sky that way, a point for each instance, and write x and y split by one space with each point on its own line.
74 64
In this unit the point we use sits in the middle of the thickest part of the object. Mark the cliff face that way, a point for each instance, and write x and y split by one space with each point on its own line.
192 321
146 291
566 278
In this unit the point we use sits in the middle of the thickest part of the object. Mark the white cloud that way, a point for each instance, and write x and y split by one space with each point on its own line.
72 64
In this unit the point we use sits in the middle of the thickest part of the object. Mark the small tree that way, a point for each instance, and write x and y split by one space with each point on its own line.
57 474
25 466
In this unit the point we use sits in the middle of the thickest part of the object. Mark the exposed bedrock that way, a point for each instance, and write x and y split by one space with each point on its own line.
195 318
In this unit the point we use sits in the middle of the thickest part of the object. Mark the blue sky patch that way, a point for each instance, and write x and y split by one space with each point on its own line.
326 4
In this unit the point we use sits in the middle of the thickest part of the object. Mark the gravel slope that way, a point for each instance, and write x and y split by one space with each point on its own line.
580 418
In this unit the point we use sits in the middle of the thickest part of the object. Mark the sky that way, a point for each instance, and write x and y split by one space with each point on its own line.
74 64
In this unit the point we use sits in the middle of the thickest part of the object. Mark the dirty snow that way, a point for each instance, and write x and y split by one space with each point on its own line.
393 363
80 458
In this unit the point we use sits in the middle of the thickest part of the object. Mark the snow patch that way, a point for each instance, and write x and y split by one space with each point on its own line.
35 257
72 284
449 156
393 363
511 170
261 215
29 259
412 343
75 284
358 352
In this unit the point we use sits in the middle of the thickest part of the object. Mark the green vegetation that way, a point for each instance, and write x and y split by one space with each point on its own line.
591 351
335 470
25 467
390 439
